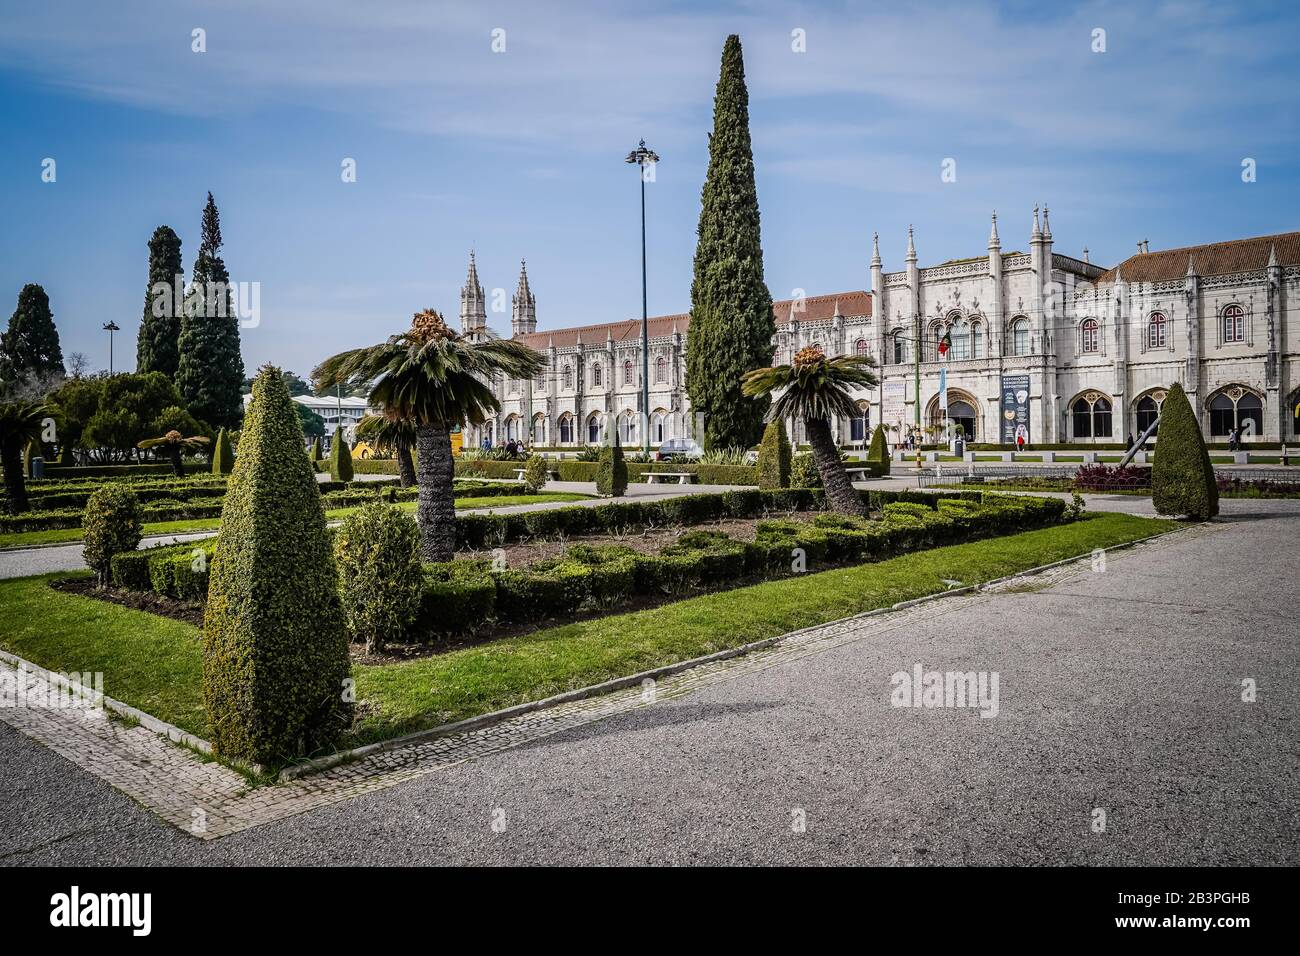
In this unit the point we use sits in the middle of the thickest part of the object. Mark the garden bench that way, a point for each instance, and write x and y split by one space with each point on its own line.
857 474
683 477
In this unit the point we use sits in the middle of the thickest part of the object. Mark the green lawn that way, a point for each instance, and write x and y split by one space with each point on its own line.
26 539
154 664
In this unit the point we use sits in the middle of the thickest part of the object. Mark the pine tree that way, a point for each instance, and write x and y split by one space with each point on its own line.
210 370
31 346
157 347
731 309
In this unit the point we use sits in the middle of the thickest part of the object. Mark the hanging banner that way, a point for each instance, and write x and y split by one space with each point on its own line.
943 390
893 402
1015 408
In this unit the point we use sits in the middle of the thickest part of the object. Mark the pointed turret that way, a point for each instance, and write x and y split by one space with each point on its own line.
876 261
1272 256
523 313
911 246
1038 232
994 241
473 306
1191 265
1047 226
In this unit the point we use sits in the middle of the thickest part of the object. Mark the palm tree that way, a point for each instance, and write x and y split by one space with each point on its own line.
434 378
173 444
397 437
20 423
813 388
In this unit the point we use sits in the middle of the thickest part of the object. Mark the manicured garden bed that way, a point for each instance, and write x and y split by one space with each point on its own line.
155 664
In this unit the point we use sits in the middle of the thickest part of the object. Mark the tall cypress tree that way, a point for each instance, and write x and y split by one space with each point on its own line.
157 347
731 309
31 345
210 371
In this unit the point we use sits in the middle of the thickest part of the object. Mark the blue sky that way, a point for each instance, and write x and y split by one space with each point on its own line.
520 153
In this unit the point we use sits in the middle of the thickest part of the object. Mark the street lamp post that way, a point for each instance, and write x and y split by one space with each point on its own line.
110 327
642 157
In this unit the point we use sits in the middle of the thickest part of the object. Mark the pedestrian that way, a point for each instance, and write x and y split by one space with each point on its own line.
1232 439
1129 443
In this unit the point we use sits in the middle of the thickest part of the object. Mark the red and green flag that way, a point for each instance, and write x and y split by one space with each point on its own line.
945 343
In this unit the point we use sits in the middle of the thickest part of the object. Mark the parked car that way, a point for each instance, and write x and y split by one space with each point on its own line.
683 449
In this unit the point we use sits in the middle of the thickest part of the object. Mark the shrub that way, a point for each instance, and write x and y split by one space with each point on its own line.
110 525
549 589
380 578
275 644
317 451
223 456
340 457
774 457
458 597
878 453
611 471
536 474
803 472
1182 477
1101 477
130 570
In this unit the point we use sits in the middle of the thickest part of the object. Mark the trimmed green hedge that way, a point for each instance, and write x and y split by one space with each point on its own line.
463 596
53 470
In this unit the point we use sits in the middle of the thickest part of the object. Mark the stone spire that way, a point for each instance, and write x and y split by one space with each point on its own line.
1037 233
1047 226
473 306
523 312
1272 256
1191 265
911 246
875 251
994 241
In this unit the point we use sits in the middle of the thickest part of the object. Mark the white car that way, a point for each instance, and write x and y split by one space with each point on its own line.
680 448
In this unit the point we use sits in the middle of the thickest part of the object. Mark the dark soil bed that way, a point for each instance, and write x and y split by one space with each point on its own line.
191 612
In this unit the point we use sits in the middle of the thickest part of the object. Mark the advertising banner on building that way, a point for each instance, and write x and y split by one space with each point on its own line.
1015 408
893 402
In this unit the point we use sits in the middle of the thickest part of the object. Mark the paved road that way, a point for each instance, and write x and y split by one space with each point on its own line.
1118 690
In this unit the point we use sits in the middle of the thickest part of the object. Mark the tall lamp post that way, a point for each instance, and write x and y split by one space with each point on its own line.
642 157
110 327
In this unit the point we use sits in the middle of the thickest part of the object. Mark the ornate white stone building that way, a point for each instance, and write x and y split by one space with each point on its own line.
1065 349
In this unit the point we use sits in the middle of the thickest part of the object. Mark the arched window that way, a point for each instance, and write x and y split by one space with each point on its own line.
858 423
539 430
513 386
566 430
900 347
1156 328
861 348
593 429
960 340
567 376
540 381
1091 415
657 427
661 370
1020 336
1088 335
627 373
595 376
627 428
976 340
1234 324
1148 410
1236 408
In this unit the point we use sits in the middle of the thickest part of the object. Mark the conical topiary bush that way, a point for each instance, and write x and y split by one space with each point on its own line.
275 645
317 451
223 456
878 453
774 456
340 457
611 470
1182 477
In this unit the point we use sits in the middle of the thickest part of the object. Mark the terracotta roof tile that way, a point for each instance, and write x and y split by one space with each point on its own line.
815 308
1215 258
